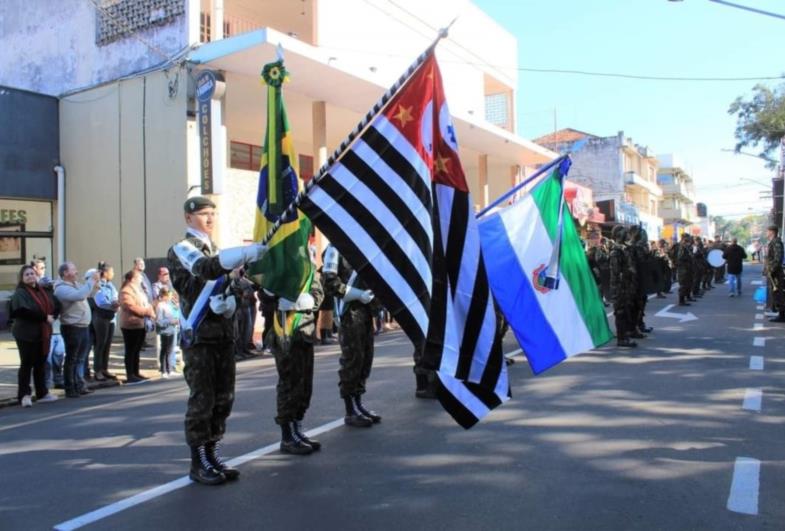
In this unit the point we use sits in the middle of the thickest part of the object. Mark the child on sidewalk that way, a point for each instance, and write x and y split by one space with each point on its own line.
166 326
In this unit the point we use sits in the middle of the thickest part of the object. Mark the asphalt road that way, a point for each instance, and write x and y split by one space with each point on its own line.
611 439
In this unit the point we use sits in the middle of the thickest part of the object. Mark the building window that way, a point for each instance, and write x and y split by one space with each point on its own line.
497 109
204 27
245 156
249 157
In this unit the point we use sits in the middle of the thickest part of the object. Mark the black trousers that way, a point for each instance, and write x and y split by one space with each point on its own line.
134 341
32 358
104 330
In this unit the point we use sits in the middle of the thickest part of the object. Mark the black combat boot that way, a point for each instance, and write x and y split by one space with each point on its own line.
323 335
637 335
683 301
313 443
353 417
202 471
646 329
214 456
358 405
425 387
626 343
291 443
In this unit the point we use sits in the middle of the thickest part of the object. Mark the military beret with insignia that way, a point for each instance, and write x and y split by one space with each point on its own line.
197 203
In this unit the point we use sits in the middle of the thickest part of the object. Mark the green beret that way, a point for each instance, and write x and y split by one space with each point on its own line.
197 203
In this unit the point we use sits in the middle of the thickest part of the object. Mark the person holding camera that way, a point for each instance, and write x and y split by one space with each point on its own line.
106 304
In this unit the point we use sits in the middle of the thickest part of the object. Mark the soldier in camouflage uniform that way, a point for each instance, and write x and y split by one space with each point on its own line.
684 268
209 342
294 362
622 287
775 273
698 268
356 310
640 255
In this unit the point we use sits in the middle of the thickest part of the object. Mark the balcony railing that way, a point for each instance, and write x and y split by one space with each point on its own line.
633 179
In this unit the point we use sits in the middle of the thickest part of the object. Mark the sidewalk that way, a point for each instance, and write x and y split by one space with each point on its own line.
9 367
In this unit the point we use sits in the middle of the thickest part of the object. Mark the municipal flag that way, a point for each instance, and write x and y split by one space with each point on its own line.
541 278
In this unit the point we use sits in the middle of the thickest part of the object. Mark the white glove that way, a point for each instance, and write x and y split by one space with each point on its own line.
222 305
305 303
354 294
234 257
285 305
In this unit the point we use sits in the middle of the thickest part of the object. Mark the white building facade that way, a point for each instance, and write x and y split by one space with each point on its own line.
130 143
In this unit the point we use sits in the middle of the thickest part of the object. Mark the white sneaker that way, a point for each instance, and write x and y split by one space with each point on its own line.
165 375
48 397
27 401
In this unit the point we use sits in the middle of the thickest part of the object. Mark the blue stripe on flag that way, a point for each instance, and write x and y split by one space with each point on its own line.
516 297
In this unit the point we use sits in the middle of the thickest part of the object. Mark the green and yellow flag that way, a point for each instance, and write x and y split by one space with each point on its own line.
286 269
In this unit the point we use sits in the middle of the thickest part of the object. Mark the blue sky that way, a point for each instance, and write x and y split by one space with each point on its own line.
693 38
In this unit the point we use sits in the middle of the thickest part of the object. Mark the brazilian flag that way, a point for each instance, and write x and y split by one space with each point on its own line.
286 269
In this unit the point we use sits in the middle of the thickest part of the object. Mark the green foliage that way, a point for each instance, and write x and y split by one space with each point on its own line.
761 121
745 230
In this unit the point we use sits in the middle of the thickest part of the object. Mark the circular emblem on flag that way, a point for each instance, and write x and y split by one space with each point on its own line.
538 279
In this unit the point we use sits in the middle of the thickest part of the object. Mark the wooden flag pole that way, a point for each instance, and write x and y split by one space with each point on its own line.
359 128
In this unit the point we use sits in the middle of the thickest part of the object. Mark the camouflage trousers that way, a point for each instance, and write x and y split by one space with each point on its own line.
624 312
356 338
295 380
209 371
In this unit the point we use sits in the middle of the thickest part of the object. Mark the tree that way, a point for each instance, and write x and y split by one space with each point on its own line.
761 121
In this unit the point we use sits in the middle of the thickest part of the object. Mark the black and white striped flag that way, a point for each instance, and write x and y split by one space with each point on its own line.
397 206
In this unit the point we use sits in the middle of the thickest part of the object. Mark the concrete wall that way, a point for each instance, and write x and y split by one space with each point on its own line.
49 46
123 146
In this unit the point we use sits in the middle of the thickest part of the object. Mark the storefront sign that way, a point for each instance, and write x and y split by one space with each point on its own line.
205 88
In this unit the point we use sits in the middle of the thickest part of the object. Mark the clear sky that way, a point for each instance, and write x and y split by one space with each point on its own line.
693 38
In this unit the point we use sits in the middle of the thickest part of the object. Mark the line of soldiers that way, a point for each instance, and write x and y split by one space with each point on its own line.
627 269
205 277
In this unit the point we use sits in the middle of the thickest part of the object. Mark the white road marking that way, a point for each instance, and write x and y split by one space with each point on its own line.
752 399
759 316
759 342
757 326
743 497
682 317
756 363
513 353
166 488
756 282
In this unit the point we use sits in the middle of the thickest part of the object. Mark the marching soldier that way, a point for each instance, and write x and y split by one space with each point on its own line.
622 287
775 274
356 308
200 274
294 362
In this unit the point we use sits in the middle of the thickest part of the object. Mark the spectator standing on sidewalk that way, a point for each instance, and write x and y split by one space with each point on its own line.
734 256
33 310
56 356
107 304
75 317
166 320
135 310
